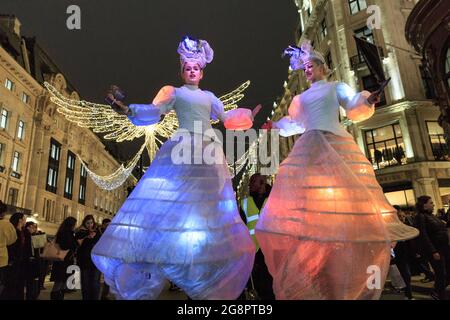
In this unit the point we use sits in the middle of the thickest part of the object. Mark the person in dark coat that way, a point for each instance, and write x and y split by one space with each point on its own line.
433 243
418 263
65 238
32 266
17 257
87 236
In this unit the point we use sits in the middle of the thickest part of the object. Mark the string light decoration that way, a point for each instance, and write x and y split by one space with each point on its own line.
118 177
229 100
101 118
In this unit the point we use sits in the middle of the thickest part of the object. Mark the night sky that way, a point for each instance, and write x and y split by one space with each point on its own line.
133 44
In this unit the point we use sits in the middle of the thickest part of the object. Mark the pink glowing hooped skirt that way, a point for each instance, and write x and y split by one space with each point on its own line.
327 224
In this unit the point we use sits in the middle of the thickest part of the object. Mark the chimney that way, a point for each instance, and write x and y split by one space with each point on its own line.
11 23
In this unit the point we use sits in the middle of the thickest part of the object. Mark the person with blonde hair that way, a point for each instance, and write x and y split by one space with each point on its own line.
8 236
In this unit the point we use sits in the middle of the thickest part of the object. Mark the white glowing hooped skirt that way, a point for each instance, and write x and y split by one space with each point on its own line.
327 226
181 223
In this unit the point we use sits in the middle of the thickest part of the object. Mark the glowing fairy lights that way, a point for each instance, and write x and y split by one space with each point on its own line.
101 118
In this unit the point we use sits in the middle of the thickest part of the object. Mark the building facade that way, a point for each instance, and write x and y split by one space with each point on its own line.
403 140
40 172
428 30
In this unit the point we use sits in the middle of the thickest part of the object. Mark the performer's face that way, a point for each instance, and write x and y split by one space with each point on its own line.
192 73
314 71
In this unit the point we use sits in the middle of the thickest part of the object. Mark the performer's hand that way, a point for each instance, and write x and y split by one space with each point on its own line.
374 98
114 97
256 110
120 107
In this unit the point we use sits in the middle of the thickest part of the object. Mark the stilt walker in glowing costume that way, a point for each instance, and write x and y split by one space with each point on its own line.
181 222
327 226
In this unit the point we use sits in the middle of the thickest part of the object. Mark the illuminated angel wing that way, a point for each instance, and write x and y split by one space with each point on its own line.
229 100
101 118
98 117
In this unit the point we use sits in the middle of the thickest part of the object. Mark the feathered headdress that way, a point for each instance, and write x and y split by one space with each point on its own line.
194 50
300 56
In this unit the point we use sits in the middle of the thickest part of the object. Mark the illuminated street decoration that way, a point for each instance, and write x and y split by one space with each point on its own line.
101 118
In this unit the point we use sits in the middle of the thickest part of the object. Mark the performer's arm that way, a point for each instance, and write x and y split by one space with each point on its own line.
358 106
147 114
236 119
291 124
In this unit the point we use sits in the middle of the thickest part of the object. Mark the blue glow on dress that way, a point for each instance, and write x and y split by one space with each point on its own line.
181 223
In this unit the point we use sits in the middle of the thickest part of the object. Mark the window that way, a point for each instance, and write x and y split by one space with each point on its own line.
68 188
53 166
370 84
365 34
438 145
70 160
13 195
55 149
21 130
4 119
402 198
357 5
385 146
49 210
16 162
70 172
25 98
83 183
323 29
9 84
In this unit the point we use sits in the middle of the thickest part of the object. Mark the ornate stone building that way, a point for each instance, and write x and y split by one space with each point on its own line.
428 30
40 173
403 140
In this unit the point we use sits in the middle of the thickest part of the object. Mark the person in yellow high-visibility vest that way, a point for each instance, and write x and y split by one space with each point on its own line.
250 207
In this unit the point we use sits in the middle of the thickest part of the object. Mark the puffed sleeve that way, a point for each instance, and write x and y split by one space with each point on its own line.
291 124
355 104
236 119
147 114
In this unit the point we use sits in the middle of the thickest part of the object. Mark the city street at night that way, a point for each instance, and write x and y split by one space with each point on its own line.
240 150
